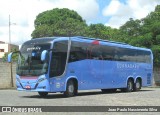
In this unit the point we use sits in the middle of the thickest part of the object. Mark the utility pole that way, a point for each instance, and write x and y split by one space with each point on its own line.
9 47
9 50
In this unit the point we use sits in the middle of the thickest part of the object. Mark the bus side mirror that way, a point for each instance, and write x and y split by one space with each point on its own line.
44 55
10 57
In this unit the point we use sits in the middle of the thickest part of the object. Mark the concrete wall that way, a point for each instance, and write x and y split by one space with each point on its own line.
5 75
157 76
6 82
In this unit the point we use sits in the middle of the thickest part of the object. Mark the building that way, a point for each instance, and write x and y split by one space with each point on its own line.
4 48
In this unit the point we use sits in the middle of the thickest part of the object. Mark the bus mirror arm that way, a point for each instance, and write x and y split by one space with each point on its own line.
10 56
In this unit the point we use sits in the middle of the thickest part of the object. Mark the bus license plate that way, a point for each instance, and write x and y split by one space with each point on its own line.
28 87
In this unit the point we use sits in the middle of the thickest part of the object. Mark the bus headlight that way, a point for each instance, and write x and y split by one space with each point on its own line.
41 79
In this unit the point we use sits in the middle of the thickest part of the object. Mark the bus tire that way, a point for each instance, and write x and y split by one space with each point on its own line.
70 89
43 94
137 85
129 87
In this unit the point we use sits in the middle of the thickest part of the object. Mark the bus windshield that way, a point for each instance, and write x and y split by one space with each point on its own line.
29 63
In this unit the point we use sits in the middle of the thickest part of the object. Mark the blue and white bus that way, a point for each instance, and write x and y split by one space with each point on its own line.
69 64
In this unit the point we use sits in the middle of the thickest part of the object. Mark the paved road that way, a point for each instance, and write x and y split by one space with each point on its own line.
145 97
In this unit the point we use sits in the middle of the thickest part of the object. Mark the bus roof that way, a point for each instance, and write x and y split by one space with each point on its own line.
101 40
44 40
114 43
40 40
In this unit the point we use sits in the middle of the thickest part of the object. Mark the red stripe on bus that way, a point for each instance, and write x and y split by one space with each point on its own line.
95 42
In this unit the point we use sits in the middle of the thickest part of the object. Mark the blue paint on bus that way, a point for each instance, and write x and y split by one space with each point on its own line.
90 63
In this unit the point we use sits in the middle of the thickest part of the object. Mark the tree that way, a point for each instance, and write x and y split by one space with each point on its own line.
144 32
131 27
59 22
101 31
97 31
130 30
156 52
65 22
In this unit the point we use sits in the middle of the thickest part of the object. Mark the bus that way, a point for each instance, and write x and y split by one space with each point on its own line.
68 64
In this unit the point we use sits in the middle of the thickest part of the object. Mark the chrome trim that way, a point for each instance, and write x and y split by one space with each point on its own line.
68 53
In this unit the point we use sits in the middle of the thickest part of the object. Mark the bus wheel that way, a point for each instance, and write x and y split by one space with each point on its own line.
43 94
70 89
137 85
129 87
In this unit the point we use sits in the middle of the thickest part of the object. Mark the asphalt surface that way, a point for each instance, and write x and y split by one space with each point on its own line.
145 97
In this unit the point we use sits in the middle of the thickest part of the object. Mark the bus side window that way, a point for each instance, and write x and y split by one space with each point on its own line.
72 57
116 57
95 52
79 51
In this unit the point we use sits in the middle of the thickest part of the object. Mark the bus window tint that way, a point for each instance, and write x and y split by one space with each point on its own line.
58 60
133 55
78 51
107 52
113 53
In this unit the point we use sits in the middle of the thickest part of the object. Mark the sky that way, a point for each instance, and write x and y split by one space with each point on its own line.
112 13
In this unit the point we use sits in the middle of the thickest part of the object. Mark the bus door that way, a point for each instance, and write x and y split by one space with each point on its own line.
58 65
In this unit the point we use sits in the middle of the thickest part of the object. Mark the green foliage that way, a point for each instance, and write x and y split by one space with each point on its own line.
59 22
98 31
158 39
65 22
144 33
41 31
156 52
131 27
103 32
142 41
